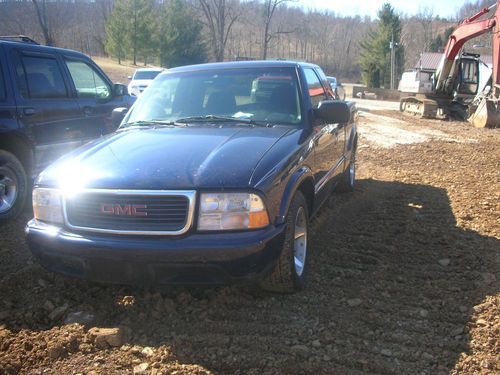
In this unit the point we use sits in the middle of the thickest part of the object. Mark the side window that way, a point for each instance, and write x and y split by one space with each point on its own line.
88 82
3 90
316 91
40 78
326 84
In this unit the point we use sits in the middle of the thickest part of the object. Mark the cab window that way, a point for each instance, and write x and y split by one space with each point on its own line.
40 78
88 82
470 79
316 91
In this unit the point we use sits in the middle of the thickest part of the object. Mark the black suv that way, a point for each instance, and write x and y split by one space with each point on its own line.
51 101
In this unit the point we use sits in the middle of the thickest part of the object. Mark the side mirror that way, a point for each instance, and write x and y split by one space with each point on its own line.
117 116
120 90
333 111
129 77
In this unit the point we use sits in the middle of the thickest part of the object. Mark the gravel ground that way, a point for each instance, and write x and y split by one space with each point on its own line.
404 279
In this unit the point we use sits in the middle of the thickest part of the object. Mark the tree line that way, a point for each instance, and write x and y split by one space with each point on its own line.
177 32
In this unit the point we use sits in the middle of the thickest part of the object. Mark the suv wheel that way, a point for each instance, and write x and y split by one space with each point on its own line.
289 271
13 186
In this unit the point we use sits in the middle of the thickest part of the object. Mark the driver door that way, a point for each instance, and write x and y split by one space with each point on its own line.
324 137
94 96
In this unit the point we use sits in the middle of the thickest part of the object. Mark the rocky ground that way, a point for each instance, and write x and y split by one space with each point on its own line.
404 278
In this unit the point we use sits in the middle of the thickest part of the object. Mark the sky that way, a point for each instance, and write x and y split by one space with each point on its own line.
442 8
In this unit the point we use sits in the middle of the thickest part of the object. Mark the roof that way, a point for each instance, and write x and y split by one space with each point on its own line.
242 64
430 60
39 47
487 59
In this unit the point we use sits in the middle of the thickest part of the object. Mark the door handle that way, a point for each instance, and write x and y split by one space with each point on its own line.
29 111
87 111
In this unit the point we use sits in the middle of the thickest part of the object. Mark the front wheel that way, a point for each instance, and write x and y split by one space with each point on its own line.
289 271
13 186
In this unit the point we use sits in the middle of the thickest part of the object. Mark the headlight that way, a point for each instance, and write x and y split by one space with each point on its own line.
47 205
231 211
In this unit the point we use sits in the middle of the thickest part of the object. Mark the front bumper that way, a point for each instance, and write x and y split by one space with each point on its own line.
196 259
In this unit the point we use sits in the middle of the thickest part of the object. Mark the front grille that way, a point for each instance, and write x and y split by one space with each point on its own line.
130 212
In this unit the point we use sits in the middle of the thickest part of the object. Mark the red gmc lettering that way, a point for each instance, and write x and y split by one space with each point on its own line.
137 207
123 210
107 208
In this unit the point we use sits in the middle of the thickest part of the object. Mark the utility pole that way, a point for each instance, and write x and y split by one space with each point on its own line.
392 45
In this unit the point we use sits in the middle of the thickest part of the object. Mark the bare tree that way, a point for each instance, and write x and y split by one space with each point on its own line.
425 16
99 33
220 16
270 7
41 13
233 28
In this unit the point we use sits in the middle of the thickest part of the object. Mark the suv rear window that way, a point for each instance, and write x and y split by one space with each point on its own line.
88 83
148 74
3 93
40 78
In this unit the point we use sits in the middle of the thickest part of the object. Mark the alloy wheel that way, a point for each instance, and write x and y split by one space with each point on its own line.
300 241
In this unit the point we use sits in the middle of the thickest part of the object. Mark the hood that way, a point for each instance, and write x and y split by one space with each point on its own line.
165 158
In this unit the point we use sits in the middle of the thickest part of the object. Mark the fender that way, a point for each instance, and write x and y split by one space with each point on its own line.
300 175
351 137
18 143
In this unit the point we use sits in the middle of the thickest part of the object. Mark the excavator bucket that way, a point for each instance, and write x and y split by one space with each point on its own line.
486 115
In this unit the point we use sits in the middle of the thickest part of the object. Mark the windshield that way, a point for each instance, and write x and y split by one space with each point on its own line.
146 74
259 94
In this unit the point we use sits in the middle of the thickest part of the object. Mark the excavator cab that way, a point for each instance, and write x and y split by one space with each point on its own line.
468 76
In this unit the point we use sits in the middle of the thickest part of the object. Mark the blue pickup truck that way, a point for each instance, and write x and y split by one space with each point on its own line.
212 177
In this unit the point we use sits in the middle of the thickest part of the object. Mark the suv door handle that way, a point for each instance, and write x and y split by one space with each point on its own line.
29 111
87 111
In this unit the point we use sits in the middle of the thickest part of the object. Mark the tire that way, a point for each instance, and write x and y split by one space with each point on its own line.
289 273
13 186
348 178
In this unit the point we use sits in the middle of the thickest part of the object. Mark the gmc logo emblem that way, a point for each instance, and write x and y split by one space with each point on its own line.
123 210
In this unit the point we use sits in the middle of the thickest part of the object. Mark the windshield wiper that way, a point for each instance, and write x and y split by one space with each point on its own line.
150 123
207 118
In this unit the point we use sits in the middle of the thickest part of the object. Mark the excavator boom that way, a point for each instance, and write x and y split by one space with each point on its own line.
468 29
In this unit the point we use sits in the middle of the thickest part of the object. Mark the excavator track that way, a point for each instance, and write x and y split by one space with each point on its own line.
418 106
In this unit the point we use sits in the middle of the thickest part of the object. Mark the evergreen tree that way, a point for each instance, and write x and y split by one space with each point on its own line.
376 53
130 28
117 30
179 36
142 29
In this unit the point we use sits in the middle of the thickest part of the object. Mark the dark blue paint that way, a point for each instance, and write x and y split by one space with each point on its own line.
274 162
44 129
